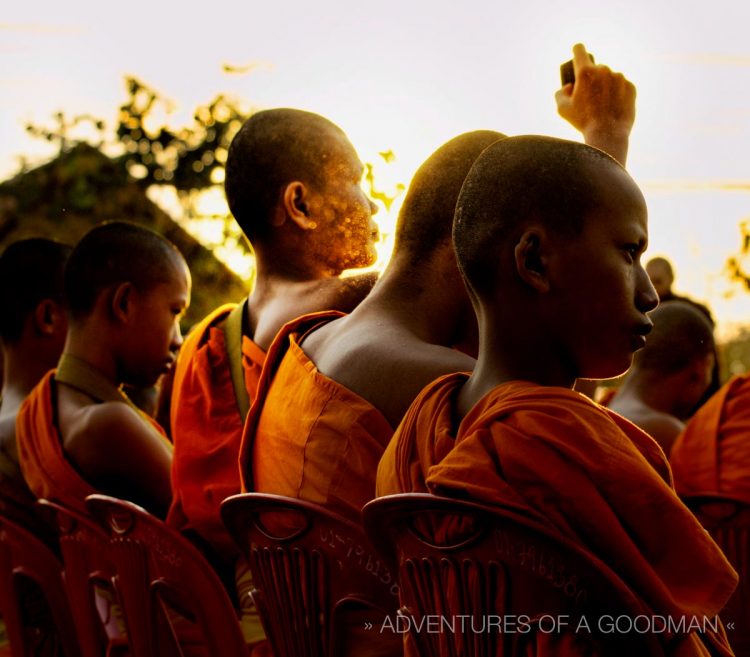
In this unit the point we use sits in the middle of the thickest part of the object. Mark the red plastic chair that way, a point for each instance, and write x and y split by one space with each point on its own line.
314 573
728 522
464 566
91 582
166 585
32 596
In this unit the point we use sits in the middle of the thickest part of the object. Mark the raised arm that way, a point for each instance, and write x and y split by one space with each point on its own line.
601 105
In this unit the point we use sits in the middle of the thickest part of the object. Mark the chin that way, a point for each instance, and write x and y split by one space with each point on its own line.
609 370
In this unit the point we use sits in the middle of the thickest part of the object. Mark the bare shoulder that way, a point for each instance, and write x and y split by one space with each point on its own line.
98 433
663 428
389 369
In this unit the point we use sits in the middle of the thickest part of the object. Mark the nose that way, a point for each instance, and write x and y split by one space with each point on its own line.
646 298
373 206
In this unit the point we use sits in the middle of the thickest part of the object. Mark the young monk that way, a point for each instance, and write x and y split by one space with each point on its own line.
126 289
548 236
334 388
293 186
670 374
33 324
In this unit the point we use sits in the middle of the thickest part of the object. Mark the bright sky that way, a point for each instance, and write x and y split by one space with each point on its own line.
409 75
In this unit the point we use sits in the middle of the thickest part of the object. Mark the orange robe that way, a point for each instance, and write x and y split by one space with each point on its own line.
712 454
588 473
45 468
207 430
308 436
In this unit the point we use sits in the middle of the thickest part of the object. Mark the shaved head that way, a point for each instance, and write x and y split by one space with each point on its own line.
426 216
681 334
272 149
30 271
662 275
517 180
115 253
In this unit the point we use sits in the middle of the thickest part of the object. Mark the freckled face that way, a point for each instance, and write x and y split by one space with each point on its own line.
346 232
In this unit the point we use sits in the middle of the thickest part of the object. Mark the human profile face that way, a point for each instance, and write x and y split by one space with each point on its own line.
345 233
155 330
602 291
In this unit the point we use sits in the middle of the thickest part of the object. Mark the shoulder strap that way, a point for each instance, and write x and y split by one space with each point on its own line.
233 343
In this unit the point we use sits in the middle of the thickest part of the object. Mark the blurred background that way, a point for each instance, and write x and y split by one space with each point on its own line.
125 110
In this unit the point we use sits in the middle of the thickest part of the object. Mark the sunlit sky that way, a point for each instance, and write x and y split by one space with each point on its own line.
407 76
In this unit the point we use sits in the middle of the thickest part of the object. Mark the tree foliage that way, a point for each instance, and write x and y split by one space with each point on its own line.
190 158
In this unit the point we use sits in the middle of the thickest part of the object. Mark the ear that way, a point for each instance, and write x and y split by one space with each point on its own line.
46 317
122 301
531 263
295 203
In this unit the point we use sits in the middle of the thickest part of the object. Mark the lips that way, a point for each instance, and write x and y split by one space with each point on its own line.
638 338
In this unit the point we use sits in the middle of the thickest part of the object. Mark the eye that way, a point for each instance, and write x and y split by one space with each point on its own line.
633 251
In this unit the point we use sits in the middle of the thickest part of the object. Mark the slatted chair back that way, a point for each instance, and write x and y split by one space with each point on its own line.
91 582
315 575
485 582
33 601
174 602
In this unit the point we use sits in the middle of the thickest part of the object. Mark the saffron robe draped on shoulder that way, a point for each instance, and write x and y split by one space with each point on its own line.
308 436
207 429
712 454
553 454
45 467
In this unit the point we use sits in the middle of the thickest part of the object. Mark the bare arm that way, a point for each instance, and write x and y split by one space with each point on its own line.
601 105
118 453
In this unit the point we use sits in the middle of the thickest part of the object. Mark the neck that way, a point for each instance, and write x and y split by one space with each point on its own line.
429 299
273 266
512 349
85 343
24 368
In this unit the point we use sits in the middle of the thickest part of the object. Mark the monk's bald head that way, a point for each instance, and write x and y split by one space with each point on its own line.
30 271
661 274
273 148
681 334
426 217
116 253
517 180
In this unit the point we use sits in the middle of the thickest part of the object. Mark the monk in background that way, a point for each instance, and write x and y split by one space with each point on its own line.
334 388
670 374
33 325
661 273
548 236
126 289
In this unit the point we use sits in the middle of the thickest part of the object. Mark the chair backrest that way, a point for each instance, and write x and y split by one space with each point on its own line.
18 504
90 580
33 602
164 581
467 571
728 522
315 574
